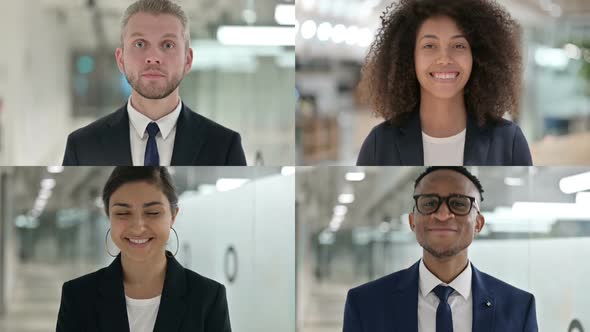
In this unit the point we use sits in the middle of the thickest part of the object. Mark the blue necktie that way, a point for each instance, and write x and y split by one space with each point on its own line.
152 158
444 319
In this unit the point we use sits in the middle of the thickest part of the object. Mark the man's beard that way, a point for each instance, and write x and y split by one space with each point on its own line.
444 253
149 91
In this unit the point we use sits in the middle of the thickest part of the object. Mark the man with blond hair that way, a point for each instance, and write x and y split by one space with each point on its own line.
154 127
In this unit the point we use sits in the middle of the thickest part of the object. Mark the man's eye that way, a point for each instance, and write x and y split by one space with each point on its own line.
122 213
139 44
168 45
153 213
429 203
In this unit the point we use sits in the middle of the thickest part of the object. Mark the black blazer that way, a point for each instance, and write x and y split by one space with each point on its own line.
501 144
198 141
190 302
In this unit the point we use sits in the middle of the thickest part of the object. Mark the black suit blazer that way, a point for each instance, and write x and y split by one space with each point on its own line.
198 141
190 302
500 144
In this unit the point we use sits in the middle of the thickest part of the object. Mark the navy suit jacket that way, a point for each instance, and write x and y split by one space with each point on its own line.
500 144
189 302
198 141
390 304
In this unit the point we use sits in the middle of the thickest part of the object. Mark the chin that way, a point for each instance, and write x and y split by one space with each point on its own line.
449 93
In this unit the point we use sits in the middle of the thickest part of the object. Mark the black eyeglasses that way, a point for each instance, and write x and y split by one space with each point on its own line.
459 205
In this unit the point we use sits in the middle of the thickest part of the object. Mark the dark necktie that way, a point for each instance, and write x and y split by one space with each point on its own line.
444 319
152 158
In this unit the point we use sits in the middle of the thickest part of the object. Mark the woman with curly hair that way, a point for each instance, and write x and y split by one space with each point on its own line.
442 73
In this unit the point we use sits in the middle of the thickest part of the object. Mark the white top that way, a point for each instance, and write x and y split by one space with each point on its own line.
139 136
142 313
459 300
444 151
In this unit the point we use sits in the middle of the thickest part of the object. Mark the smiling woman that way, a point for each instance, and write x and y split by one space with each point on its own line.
443 73
145 288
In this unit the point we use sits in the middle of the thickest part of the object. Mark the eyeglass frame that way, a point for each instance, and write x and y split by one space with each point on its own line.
445 199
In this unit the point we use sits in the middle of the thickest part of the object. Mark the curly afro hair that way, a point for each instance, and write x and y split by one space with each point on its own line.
494 37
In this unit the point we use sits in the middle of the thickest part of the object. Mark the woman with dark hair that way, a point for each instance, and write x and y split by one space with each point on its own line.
145 288
442 73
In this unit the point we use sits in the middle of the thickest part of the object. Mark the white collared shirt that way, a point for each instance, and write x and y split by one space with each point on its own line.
444 151
139 136
460 300
142 314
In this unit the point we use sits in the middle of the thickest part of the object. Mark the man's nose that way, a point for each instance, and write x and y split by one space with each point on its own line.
443 213
152 60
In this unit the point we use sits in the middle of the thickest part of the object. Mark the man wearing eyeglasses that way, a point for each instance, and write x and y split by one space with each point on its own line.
443 292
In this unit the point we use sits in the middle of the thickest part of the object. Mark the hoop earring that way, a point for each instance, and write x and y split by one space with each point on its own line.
177 243
106 243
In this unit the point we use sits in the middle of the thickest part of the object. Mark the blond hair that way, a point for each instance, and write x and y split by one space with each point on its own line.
157 7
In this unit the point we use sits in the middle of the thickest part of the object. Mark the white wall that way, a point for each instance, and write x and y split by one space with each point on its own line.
257 219
33 83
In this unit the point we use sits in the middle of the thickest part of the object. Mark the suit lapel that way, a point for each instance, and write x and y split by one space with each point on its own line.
477 143
111 307
409 141
484 304
405 305
116 142
189 137
173 302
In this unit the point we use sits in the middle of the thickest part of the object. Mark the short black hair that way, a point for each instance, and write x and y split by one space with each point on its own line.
158 176
458 169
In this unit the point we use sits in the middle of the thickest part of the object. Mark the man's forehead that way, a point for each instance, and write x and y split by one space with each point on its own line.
447 180
144 23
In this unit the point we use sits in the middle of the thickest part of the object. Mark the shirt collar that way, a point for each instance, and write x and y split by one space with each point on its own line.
140 122
461 284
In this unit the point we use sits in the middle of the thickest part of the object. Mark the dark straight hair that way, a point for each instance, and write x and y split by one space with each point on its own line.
158 176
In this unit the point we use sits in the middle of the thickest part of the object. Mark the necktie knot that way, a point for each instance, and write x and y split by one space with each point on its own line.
152 129
443 292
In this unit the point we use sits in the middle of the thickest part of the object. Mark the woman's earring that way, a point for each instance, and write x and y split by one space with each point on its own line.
106 243
177 242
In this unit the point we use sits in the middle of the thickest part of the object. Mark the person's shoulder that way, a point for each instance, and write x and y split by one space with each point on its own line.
504 289
378 286
97 126
212 127
385 126
504 126
83 284
201 283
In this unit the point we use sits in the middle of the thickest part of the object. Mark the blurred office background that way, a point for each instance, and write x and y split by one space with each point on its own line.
352 227
333 36
235 225
58 73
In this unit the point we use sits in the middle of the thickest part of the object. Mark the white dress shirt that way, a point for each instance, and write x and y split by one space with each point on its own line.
444 151
139 136
142 314
460 300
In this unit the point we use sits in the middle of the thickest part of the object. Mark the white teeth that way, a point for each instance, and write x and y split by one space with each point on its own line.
445 76
138 241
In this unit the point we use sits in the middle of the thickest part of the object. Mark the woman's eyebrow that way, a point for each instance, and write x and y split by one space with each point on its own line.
436 37
148 204
122 204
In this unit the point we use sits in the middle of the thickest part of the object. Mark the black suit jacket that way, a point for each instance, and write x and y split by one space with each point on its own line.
190 302
198 141
500 144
